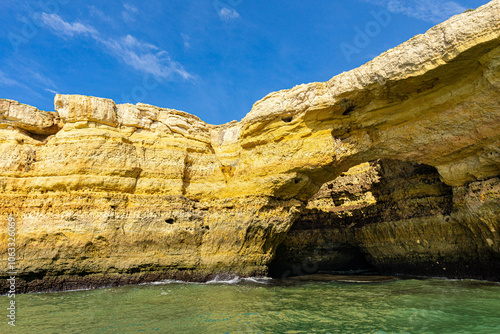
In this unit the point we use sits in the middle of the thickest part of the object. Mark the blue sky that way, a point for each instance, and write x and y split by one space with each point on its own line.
210 58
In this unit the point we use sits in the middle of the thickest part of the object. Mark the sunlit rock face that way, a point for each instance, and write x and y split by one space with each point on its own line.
111 194
124 194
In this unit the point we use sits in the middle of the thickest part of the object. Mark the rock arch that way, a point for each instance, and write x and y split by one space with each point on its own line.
99 171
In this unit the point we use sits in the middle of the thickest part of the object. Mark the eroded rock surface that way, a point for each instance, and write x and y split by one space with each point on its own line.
395 217
110 194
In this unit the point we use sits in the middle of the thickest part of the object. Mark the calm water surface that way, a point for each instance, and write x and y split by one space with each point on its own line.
264 306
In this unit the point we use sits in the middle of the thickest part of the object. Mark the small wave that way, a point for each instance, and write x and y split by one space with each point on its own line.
223 280
236 279
218 279
259 280
169 281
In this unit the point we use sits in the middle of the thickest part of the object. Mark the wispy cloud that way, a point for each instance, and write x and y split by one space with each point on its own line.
141 56
144 57
129 12
25 71
5 80
434 11
96 12
51 91
186 38
30 73
228 14
61 27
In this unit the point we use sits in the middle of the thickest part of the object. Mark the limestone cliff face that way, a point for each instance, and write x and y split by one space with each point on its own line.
127 193
105 193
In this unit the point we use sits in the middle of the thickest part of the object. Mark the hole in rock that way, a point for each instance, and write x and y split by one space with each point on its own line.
348 110
349 106
340 224
287 119
169 221
35 136
331 258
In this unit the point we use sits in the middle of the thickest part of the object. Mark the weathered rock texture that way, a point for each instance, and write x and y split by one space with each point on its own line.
109 194
397 217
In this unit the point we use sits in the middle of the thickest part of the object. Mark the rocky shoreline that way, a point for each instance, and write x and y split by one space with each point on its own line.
394 165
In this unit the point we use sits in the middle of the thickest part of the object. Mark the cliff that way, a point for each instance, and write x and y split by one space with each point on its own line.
107 194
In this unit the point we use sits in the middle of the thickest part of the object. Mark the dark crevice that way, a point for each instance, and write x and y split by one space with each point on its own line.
35 136
348 106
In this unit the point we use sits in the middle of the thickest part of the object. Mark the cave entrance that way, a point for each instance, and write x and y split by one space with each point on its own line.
345 226
319 255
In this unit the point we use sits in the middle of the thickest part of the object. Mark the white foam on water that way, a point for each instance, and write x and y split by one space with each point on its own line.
169 281
216 280
219 280
236 279
259 280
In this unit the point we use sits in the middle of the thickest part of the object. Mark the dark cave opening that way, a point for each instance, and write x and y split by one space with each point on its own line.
328 258
330 234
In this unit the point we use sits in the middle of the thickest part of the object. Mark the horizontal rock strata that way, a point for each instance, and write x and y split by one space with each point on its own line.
108 194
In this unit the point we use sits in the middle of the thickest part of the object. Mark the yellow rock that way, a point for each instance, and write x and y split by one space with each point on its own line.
133 190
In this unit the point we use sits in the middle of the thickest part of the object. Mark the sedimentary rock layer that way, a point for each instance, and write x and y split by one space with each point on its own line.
104 193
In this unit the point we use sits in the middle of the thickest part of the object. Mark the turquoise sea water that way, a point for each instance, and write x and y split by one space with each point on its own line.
264 306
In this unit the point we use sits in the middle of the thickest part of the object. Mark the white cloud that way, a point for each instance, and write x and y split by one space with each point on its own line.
434 11
227 14
141 56
185 38
32 74
129 12
51 91
61 27
144 57
130 8
5 80
96 12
